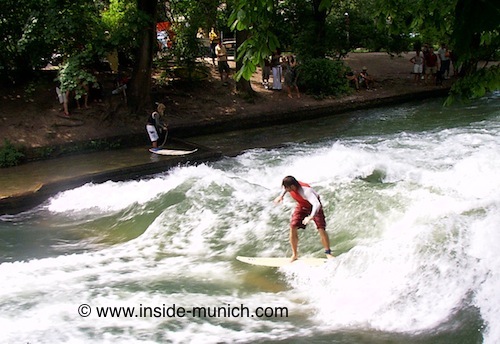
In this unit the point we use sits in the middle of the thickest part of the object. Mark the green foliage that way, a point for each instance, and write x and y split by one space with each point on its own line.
203 14
253 51
197 72
354 28
309 28
29 90
21 46
187 47
172 72
397 44
9 155
475 85
101 144
470 27
323 77
314 36
72 25
254 16
121 25
84 31
476 29
74 76
36 29
179 63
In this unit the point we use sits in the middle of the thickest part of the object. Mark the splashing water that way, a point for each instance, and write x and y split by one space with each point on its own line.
413 217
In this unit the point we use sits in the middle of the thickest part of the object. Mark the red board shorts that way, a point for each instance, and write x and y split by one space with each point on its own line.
300 213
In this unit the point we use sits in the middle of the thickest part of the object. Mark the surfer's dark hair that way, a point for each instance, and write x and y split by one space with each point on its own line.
289 181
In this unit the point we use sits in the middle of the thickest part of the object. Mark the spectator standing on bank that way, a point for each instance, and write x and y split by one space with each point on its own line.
444 58
431 64
425 53
220 51
212 36
266 73
418 66
291 76
276 67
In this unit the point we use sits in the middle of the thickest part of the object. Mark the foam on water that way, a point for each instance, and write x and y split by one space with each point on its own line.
413 218
426 262
113 196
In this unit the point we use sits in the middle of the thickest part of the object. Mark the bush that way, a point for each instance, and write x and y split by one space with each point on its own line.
323 77
9 155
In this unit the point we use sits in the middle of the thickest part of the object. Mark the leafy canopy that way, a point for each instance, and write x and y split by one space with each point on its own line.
254 16
470 27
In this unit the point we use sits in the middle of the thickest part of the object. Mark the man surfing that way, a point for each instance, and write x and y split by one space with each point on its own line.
308 208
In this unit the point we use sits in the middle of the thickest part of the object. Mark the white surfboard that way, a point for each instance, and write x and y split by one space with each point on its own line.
279 262
172 151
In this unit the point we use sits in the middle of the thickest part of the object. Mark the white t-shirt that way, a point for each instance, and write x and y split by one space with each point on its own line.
220 51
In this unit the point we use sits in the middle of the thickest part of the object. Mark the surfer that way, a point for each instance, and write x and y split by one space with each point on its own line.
155 125
308 208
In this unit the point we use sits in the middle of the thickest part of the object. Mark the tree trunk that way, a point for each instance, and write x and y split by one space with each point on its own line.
319 21
242 85
139 95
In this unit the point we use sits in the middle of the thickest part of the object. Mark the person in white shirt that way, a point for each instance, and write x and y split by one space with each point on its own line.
220 51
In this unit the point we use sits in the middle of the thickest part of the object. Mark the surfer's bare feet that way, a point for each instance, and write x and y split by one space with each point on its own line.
329 256
294 258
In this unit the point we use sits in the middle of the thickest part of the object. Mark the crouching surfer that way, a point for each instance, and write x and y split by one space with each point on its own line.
308 208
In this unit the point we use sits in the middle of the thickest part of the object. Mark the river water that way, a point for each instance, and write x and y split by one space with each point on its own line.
411 195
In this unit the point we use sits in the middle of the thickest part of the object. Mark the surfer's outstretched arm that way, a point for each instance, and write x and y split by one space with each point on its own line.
279 199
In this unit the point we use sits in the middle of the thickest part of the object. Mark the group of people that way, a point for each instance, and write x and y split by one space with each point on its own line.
361 79
80 95
428 65
280 67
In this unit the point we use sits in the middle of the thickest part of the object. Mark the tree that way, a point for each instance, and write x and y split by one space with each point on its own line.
34 30
121 23
476 37
140 90
471 26
17 22
320 11
255 41
188 17
242 85
253 16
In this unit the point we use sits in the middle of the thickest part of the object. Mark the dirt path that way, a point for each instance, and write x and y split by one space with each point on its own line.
36 122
